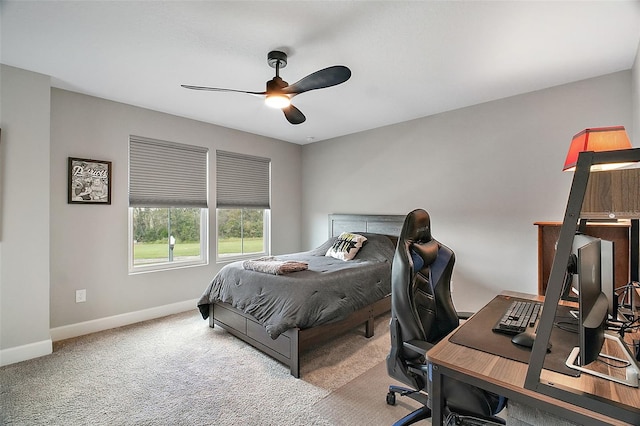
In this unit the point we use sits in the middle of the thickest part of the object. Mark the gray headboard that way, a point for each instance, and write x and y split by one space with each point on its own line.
377 224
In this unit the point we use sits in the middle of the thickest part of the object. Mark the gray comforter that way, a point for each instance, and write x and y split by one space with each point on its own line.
328 291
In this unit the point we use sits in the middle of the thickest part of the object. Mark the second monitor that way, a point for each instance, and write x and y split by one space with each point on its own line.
607 273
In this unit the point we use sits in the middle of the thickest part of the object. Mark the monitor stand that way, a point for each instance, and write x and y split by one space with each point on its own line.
632 368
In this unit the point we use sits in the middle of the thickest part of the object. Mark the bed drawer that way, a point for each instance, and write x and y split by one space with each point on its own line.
231 318
257 332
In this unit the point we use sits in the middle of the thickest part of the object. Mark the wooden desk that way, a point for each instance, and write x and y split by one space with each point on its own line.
506 377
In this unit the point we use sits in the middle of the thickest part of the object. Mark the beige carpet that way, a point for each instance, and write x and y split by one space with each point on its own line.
178 371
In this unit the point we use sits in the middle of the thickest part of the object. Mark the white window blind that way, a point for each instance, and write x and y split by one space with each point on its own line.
166 174
243 181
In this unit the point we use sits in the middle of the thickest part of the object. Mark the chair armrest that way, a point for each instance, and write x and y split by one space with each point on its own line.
419 346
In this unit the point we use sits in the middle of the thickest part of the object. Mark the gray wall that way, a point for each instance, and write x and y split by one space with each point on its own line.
89 242
49 249
485 173
24 214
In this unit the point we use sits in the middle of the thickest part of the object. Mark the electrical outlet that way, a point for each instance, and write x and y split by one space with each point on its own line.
81 296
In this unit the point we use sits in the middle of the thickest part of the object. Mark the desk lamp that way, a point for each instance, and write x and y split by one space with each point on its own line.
597 139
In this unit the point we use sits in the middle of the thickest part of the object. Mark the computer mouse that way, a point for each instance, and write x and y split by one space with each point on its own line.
526 339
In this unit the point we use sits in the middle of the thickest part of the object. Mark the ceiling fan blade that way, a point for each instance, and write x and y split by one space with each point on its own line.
217 89
294 115
320 79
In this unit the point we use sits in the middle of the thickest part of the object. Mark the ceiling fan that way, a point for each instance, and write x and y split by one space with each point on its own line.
279 92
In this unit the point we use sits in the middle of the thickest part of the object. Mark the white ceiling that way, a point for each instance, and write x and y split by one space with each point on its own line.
408 59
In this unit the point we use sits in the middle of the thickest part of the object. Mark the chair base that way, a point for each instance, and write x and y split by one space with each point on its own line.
424 412
421 413
411 393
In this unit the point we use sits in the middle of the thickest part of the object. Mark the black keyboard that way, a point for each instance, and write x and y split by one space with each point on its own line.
518 316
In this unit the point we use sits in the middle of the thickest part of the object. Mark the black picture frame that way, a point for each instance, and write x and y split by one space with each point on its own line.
89 181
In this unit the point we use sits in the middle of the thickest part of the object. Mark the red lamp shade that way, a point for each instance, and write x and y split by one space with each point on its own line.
596 139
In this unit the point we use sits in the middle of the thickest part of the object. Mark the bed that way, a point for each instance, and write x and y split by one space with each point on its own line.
283 315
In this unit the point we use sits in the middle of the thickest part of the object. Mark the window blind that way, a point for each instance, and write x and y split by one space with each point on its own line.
243 181
166 174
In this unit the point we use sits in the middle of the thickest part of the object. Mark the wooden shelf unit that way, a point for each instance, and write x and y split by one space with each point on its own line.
612 194
549 232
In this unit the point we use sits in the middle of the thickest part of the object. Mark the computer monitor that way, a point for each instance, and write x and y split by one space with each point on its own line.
592 319
571 289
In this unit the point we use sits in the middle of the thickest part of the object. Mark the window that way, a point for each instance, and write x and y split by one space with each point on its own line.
165 236
241 232
168 212
243 206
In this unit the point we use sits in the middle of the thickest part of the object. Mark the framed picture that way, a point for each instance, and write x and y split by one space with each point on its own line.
89 181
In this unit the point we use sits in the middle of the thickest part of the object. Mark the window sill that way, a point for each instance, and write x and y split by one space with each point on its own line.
167 266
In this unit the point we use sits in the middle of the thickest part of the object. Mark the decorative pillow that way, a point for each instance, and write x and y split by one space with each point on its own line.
346 246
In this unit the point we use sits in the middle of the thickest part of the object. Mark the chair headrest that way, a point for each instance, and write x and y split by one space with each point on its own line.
416 233
417 227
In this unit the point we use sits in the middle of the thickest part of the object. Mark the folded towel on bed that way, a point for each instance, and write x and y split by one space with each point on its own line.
271 265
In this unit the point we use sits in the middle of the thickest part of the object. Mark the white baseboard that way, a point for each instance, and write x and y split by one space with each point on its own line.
25 352
82 328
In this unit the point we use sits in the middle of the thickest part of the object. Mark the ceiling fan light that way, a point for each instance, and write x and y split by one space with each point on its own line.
277 101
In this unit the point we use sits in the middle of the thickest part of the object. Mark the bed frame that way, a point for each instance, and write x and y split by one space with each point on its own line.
290 344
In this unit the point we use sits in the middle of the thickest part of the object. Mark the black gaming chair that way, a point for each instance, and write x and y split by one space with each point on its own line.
422 313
